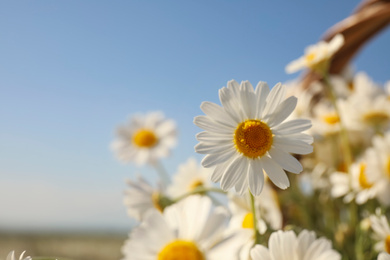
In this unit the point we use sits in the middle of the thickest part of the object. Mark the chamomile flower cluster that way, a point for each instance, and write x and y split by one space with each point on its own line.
246 198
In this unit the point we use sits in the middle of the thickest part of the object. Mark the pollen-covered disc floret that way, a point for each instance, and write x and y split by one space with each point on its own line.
180 249
145 139
248 136
253 138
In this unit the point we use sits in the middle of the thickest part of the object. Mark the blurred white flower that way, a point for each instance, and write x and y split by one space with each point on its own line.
248 137
326 121
317 56
141 196
381 228
190 176
285 245
384 256
378 162
145 139
268 213
356 184
11 256
189 229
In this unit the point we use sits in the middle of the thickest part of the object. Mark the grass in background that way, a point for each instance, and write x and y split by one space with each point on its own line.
67 246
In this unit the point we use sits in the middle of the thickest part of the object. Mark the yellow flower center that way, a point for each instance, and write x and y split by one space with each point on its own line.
342 167
248 221
387 244
145 138
253 138
310 57
331 119
376 117
180 250
351 86
156 201
195 184
388 167
363 178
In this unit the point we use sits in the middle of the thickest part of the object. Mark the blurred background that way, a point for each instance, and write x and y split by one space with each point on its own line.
71 71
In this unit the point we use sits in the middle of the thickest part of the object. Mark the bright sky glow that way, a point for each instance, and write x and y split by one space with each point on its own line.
71 71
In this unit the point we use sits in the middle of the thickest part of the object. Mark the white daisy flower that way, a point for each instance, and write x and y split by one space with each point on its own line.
145 139
141 197
384 256
363 85
314 178
285 245
356 184
381 228
189 229
378 161
326 121
268 213
369 112
11 256
190 176
247 137
267 210
317 56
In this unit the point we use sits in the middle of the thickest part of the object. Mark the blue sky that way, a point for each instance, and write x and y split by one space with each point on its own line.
71 71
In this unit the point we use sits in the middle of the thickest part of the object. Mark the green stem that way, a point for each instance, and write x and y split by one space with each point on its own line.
343 132
199 190
255 228
162 173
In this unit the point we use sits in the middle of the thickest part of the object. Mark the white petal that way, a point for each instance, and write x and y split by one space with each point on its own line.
207 148
261 92
295 65
300 136
305 238
167 127
213 137
230 104
274 98
283 111
260 252
241 185
275 173
256 177
233 172
217 158
384 256
292 126
248 101
336 43
208 124
292 145
218 114
216 176
287 161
